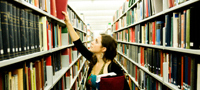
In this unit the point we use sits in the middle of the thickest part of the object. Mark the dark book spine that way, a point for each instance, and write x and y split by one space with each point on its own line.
1 42
154 61
168 30
10 28
175 69
18 30
33 37
37 33
179 71
27 32
185 29
22 31
15 31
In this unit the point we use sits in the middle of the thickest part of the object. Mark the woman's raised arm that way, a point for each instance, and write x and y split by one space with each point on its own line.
73 34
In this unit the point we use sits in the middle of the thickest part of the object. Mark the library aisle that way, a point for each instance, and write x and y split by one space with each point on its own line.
157 42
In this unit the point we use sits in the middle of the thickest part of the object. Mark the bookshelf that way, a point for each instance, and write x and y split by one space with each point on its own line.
156 15
32 7
41 54
137 36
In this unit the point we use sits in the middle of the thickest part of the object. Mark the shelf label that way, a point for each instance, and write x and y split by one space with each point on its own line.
16 49
13 49
24 48
8 49
20 49
1 51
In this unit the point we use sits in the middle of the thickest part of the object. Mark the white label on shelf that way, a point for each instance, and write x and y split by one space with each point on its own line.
24 48
35 46
191 43
13 49
28 48
20 49
8 49
2 51
16 49
158 68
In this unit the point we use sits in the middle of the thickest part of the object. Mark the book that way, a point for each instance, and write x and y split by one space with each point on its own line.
10 28
44 31
198 76
15 30
1 42
61 6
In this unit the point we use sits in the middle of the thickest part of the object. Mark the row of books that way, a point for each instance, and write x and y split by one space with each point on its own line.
180 69
70 75
143 9
38 73
132 84
23 32
146 82
178 30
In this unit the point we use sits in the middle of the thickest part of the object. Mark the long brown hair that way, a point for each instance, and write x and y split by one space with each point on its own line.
111 49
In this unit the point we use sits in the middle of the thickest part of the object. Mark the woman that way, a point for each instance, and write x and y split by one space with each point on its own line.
101 55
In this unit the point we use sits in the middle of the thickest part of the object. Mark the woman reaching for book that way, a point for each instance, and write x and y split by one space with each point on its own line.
101 56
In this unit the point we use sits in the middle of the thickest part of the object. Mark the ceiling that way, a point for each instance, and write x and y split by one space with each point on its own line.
97 13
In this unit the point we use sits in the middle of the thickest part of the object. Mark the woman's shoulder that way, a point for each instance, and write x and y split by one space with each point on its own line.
114 67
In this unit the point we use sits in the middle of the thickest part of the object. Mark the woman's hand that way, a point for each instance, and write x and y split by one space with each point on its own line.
66 17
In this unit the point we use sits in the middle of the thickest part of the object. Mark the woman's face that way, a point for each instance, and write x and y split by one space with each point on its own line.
96 46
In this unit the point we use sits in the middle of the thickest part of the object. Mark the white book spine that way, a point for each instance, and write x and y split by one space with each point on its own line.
65 60
49 75
165 71
175 29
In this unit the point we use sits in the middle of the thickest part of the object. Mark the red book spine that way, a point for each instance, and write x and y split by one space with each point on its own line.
170 3
153 34
48 61
146 2
135 73
70 57
61 5
142 56
161 64
29 78
156 85
133 34
37 3
182 71
53 8
47 35
1 82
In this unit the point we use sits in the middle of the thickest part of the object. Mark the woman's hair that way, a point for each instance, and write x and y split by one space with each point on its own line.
111 49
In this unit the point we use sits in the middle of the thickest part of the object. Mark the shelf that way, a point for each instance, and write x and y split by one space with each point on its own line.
145 45
29 56
132 78
161 13
60 73
75 13
125 12
182 50
74 79
45 13
160 79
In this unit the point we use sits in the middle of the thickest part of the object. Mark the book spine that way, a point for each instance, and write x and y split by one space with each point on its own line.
1 43
32 34
10 28
5 31
22 31
37 34
27 32
18 30
15 31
